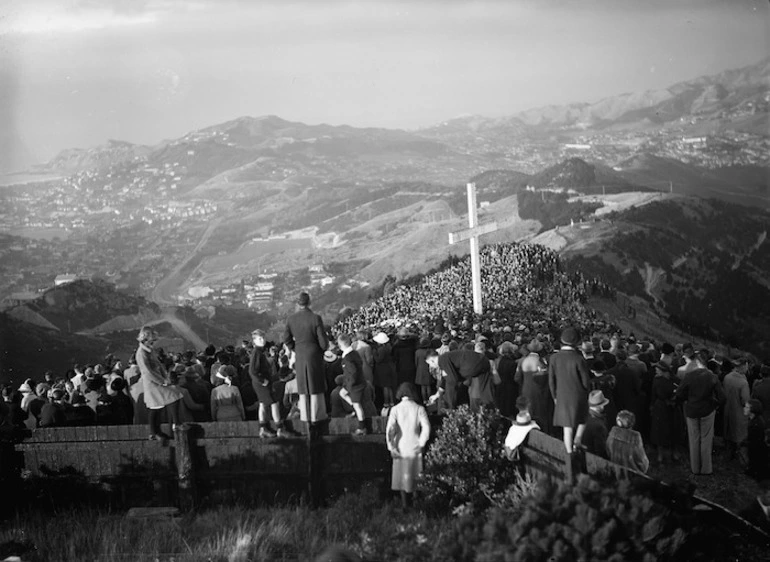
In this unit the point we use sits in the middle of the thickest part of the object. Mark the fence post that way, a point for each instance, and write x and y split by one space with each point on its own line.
184 467
315 459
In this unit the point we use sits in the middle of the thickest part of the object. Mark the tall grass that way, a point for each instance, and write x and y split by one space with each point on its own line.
367 528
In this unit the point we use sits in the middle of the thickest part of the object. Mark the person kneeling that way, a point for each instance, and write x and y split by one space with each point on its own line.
355 383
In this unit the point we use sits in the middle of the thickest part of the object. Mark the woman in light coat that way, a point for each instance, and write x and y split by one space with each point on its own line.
159 393
407 433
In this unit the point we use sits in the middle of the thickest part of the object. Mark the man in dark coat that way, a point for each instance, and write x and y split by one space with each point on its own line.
569 379
458 368
306 336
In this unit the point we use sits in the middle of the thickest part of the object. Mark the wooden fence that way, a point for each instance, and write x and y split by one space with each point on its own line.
226 462
205 463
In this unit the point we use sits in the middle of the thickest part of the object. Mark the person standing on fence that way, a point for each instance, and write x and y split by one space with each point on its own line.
261 375
701 393
354 384
159 395
569 379
305 335
407 432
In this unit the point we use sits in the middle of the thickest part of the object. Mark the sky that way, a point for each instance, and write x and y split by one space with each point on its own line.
74 73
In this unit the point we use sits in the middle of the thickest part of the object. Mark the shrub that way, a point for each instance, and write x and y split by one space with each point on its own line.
465 465
591 520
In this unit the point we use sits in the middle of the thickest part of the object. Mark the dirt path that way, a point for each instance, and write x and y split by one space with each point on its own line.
171 282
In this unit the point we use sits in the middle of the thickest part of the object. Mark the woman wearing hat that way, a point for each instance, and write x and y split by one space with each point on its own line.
407 432
158 392
663 412
569 379
384 368
507 391
532 378
423 379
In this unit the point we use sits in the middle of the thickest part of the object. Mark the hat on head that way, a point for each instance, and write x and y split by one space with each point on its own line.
535 346
507 348
570 336
663 366
330 356
587 347
424 342
381 338
303 299
42 388
599 366
596 399
507 329
738 359
523 418
667 348
179 369
25 387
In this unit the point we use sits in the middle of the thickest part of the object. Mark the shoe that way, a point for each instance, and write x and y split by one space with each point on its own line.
267 432
159 437
359 431
286 432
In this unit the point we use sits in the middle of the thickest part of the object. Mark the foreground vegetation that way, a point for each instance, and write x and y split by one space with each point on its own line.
473 506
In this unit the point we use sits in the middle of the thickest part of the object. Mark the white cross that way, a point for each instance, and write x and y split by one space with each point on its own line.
472 233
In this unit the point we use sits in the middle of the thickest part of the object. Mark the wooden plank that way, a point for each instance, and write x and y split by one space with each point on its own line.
468 233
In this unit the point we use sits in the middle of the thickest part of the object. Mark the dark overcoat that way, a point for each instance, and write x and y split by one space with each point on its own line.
306 335
569 380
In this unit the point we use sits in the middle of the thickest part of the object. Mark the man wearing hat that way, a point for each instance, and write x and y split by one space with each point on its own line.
595 434
569 379
305 335
518 433
736 388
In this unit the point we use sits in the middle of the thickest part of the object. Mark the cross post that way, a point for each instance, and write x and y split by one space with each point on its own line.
472 233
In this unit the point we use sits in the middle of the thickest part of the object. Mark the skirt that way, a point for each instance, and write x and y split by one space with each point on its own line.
405 473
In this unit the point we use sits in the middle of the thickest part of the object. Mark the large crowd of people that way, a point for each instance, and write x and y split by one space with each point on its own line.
536 353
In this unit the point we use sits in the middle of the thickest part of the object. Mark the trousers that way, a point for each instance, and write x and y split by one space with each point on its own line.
700 433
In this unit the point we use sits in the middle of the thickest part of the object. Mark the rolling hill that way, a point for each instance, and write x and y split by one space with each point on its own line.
746 185
703 264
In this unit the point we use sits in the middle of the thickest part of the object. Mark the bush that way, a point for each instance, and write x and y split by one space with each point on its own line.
465 465
612 520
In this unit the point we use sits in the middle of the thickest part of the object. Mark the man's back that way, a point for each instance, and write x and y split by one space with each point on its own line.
304 328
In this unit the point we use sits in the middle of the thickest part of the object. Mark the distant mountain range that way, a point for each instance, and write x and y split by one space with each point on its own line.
712 97
737 100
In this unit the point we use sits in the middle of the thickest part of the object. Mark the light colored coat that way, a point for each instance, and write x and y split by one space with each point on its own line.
736 425
154 376
406 434
365 351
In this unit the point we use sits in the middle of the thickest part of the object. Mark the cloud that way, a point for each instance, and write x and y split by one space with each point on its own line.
49 18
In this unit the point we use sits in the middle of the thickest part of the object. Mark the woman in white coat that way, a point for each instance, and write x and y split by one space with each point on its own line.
159 393
407 433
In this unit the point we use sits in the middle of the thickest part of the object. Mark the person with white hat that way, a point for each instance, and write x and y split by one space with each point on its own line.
384 369
518 433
